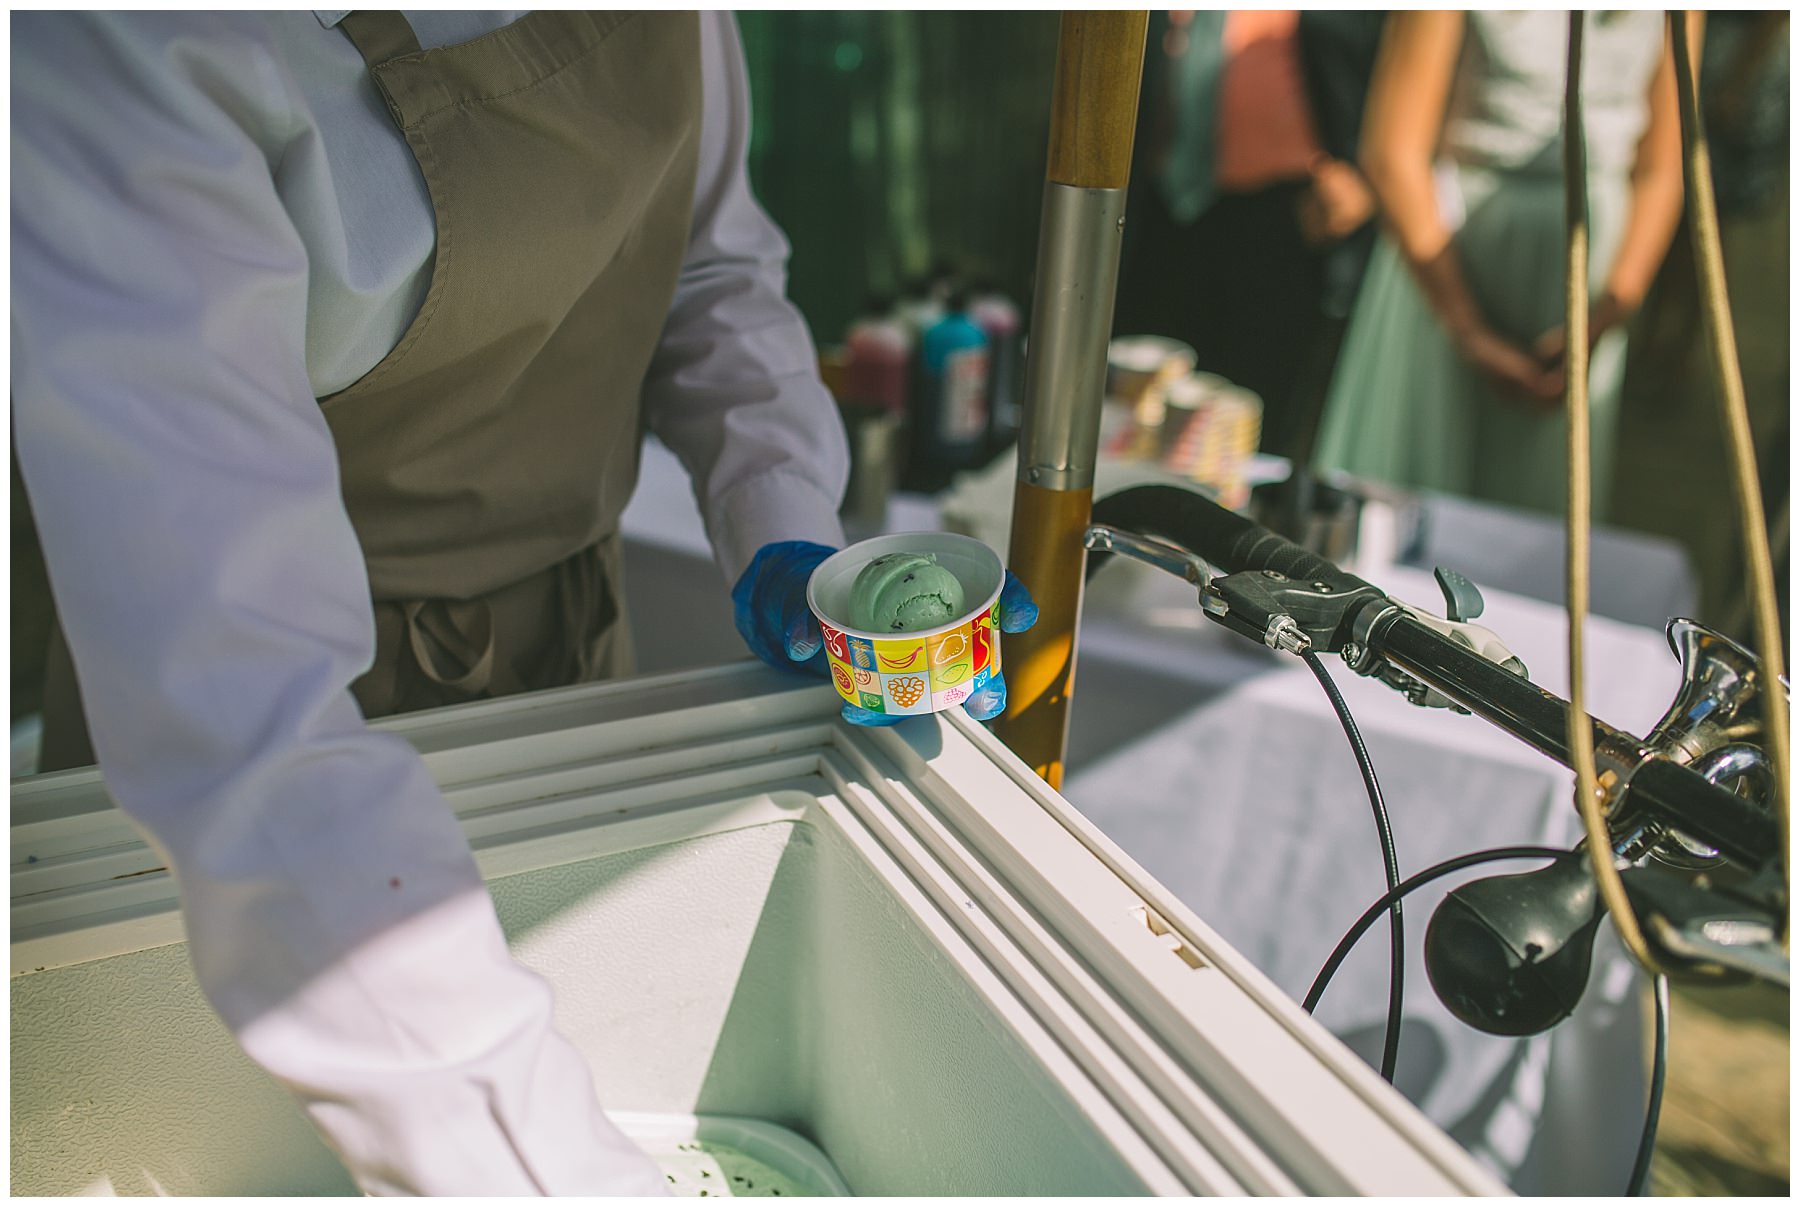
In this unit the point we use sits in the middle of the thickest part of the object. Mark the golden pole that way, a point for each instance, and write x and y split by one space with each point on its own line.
1093 118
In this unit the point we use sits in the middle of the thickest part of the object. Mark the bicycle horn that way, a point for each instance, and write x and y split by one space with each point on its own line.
1510 955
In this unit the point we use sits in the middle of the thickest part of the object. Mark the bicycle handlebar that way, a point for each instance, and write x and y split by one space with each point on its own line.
1667 791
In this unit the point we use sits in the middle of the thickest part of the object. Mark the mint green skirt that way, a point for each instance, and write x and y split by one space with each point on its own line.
1404 408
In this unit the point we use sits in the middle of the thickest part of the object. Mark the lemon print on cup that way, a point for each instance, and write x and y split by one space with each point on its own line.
952 658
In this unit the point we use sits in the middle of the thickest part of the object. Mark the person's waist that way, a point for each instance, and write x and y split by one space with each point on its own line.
484 569
1543 166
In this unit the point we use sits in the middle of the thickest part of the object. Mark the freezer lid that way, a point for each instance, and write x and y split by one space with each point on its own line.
1223 1077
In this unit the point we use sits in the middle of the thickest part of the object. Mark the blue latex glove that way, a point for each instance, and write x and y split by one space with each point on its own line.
769 608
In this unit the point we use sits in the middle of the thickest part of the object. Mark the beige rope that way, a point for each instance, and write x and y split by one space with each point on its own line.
1575 405
1709 257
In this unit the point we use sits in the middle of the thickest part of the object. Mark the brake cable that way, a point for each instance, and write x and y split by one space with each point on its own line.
1384 830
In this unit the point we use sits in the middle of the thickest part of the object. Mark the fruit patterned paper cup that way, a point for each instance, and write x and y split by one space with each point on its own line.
907 674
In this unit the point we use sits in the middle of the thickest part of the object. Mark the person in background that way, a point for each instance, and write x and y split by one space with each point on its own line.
1337 59
1235 204
334 339
1451 375
1669 420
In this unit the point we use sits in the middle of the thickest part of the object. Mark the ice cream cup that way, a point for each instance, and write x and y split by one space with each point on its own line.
906 674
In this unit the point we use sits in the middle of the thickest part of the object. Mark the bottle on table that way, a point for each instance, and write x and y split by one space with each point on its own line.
949 426
875 397
1000 321
879 358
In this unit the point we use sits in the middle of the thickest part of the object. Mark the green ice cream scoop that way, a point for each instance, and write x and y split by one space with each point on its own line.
903 593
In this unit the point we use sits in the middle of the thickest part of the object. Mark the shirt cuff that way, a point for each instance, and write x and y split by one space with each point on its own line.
777 506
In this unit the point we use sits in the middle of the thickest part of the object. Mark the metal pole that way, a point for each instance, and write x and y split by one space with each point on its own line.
1093 117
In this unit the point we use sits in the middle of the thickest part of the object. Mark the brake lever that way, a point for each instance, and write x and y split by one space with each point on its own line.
1153 551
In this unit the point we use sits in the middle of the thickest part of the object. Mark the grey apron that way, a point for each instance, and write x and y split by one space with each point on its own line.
485 461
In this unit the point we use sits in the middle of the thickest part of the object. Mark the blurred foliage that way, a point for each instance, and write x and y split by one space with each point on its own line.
887 142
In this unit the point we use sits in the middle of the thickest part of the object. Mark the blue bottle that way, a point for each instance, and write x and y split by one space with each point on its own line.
950 423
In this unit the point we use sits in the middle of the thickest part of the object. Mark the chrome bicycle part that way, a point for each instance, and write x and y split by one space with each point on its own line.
1715 717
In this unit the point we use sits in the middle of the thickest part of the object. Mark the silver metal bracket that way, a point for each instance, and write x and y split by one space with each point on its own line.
1079 240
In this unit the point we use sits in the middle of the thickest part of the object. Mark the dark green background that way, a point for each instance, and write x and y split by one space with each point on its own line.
887 141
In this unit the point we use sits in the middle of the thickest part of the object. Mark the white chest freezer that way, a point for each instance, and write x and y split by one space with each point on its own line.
897 945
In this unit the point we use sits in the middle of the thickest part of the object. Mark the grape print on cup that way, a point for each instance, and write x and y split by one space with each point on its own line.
907 690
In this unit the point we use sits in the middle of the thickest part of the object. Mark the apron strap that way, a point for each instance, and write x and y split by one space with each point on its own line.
452 642
380 35
560 626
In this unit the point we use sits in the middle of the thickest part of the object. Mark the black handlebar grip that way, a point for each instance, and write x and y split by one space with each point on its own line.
1224 538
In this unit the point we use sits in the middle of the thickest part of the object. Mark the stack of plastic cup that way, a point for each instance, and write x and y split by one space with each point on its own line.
1216 441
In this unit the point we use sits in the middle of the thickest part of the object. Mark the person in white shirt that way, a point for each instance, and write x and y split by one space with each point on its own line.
334 338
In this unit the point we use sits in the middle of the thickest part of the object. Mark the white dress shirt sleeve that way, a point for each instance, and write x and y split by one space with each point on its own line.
216 605
734 388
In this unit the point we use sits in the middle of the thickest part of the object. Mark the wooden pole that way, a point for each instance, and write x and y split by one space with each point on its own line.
1093 119
1093 103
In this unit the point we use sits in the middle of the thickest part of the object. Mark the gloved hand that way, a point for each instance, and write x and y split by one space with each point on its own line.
769 606
769 609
